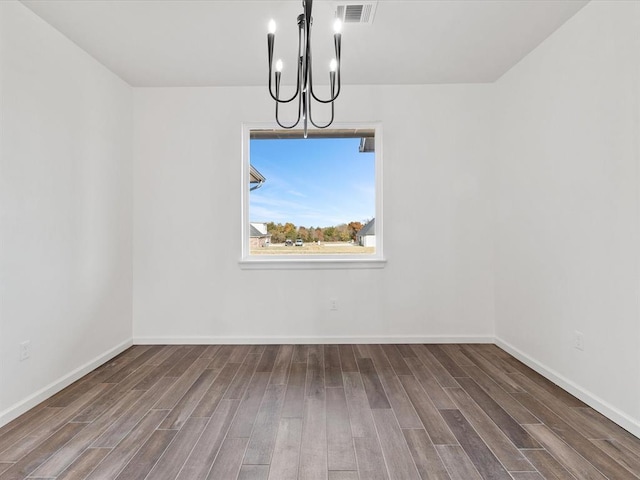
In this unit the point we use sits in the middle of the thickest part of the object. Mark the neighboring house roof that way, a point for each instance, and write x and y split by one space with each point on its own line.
254 232
367 144
368 229
261 227
256 179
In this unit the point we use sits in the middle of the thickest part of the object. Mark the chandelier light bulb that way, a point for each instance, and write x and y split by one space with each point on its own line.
278 65
333 65
272 26
337 26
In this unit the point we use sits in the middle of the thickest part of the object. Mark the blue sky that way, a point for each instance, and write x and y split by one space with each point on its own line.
317 182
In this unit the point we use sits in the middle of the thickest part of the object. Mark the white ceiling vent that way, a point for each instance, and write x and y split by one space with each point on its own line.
356 12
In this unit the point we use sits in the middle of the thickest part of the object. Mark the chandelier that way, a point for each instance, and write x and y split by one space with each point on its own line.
304 86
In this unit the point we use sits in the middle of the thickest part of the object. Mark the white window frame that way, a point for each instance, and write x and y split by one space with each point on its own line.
320 261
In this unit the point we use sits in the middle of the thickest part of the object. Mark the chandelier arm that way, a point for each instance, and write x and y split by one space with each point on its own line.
337 38
330 100
332 110
321 126
333 96
276 97
288 127
270 43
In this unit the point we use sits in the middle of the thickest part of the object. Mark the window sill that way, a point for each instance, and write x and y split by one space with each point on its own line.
305 263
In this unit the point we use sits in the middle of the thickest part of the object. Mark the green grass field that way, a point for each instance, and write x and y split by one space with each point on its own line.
313 249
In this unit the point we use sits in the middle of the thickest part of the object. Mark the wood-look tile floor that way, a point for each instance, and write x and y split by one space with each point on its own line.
333 412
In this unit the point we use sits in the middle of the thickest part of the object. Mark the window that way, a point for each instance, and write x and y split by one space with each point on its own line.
314 201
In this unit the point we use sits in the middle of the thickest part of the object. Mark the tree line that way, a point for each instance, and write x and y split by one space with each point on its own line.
288 231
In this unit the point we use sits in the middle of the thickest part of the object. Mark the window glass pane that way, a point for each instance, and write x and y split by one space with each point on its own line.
314 196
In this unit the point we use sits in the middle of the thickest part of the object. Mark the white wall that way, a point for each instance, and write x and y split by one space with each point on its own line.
65 210
437 284
567 214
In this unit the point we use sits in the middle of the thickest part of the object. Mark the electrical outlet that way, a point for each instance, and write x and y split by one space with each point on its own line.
333 304
578 340
25 350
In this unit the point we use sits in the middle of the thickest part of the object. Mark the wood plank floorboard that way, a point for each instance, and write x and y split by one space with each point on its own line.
396 360
343 475
313 449
241 380
347 358
122 453
360 417
173 458
180 367
547 465
445 379
370 461
340 453
425 456
506 401
254 472
203 454
227 463
332 368
300 353
281 368
458 463
505 422
84 464
147 456
570 459
484 460
315 372
81 442
397 456
455 352
35 457
502 447
216 391
246 416
447 362
326 412
372 385
294 398
265 429
19 429
40 432
284 463
432 421
434 391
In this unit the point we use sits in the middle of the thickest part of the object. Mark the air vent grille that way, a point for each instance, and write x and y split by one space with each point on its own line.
356 12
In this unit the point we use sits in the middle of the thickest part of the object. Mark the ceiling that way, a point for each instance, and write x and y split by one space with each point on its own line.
153 43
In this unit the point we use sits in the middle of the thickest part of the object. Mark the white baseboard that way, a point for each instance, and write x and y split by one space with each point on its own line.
267 340
41 395
595 402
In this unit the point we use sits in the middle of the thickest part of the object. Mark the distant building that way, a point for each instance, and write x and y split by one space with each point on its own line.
366 237
258 235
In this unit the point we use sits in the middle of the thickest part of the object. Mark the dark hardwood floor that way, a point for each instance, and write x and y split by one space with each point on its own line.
333 412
